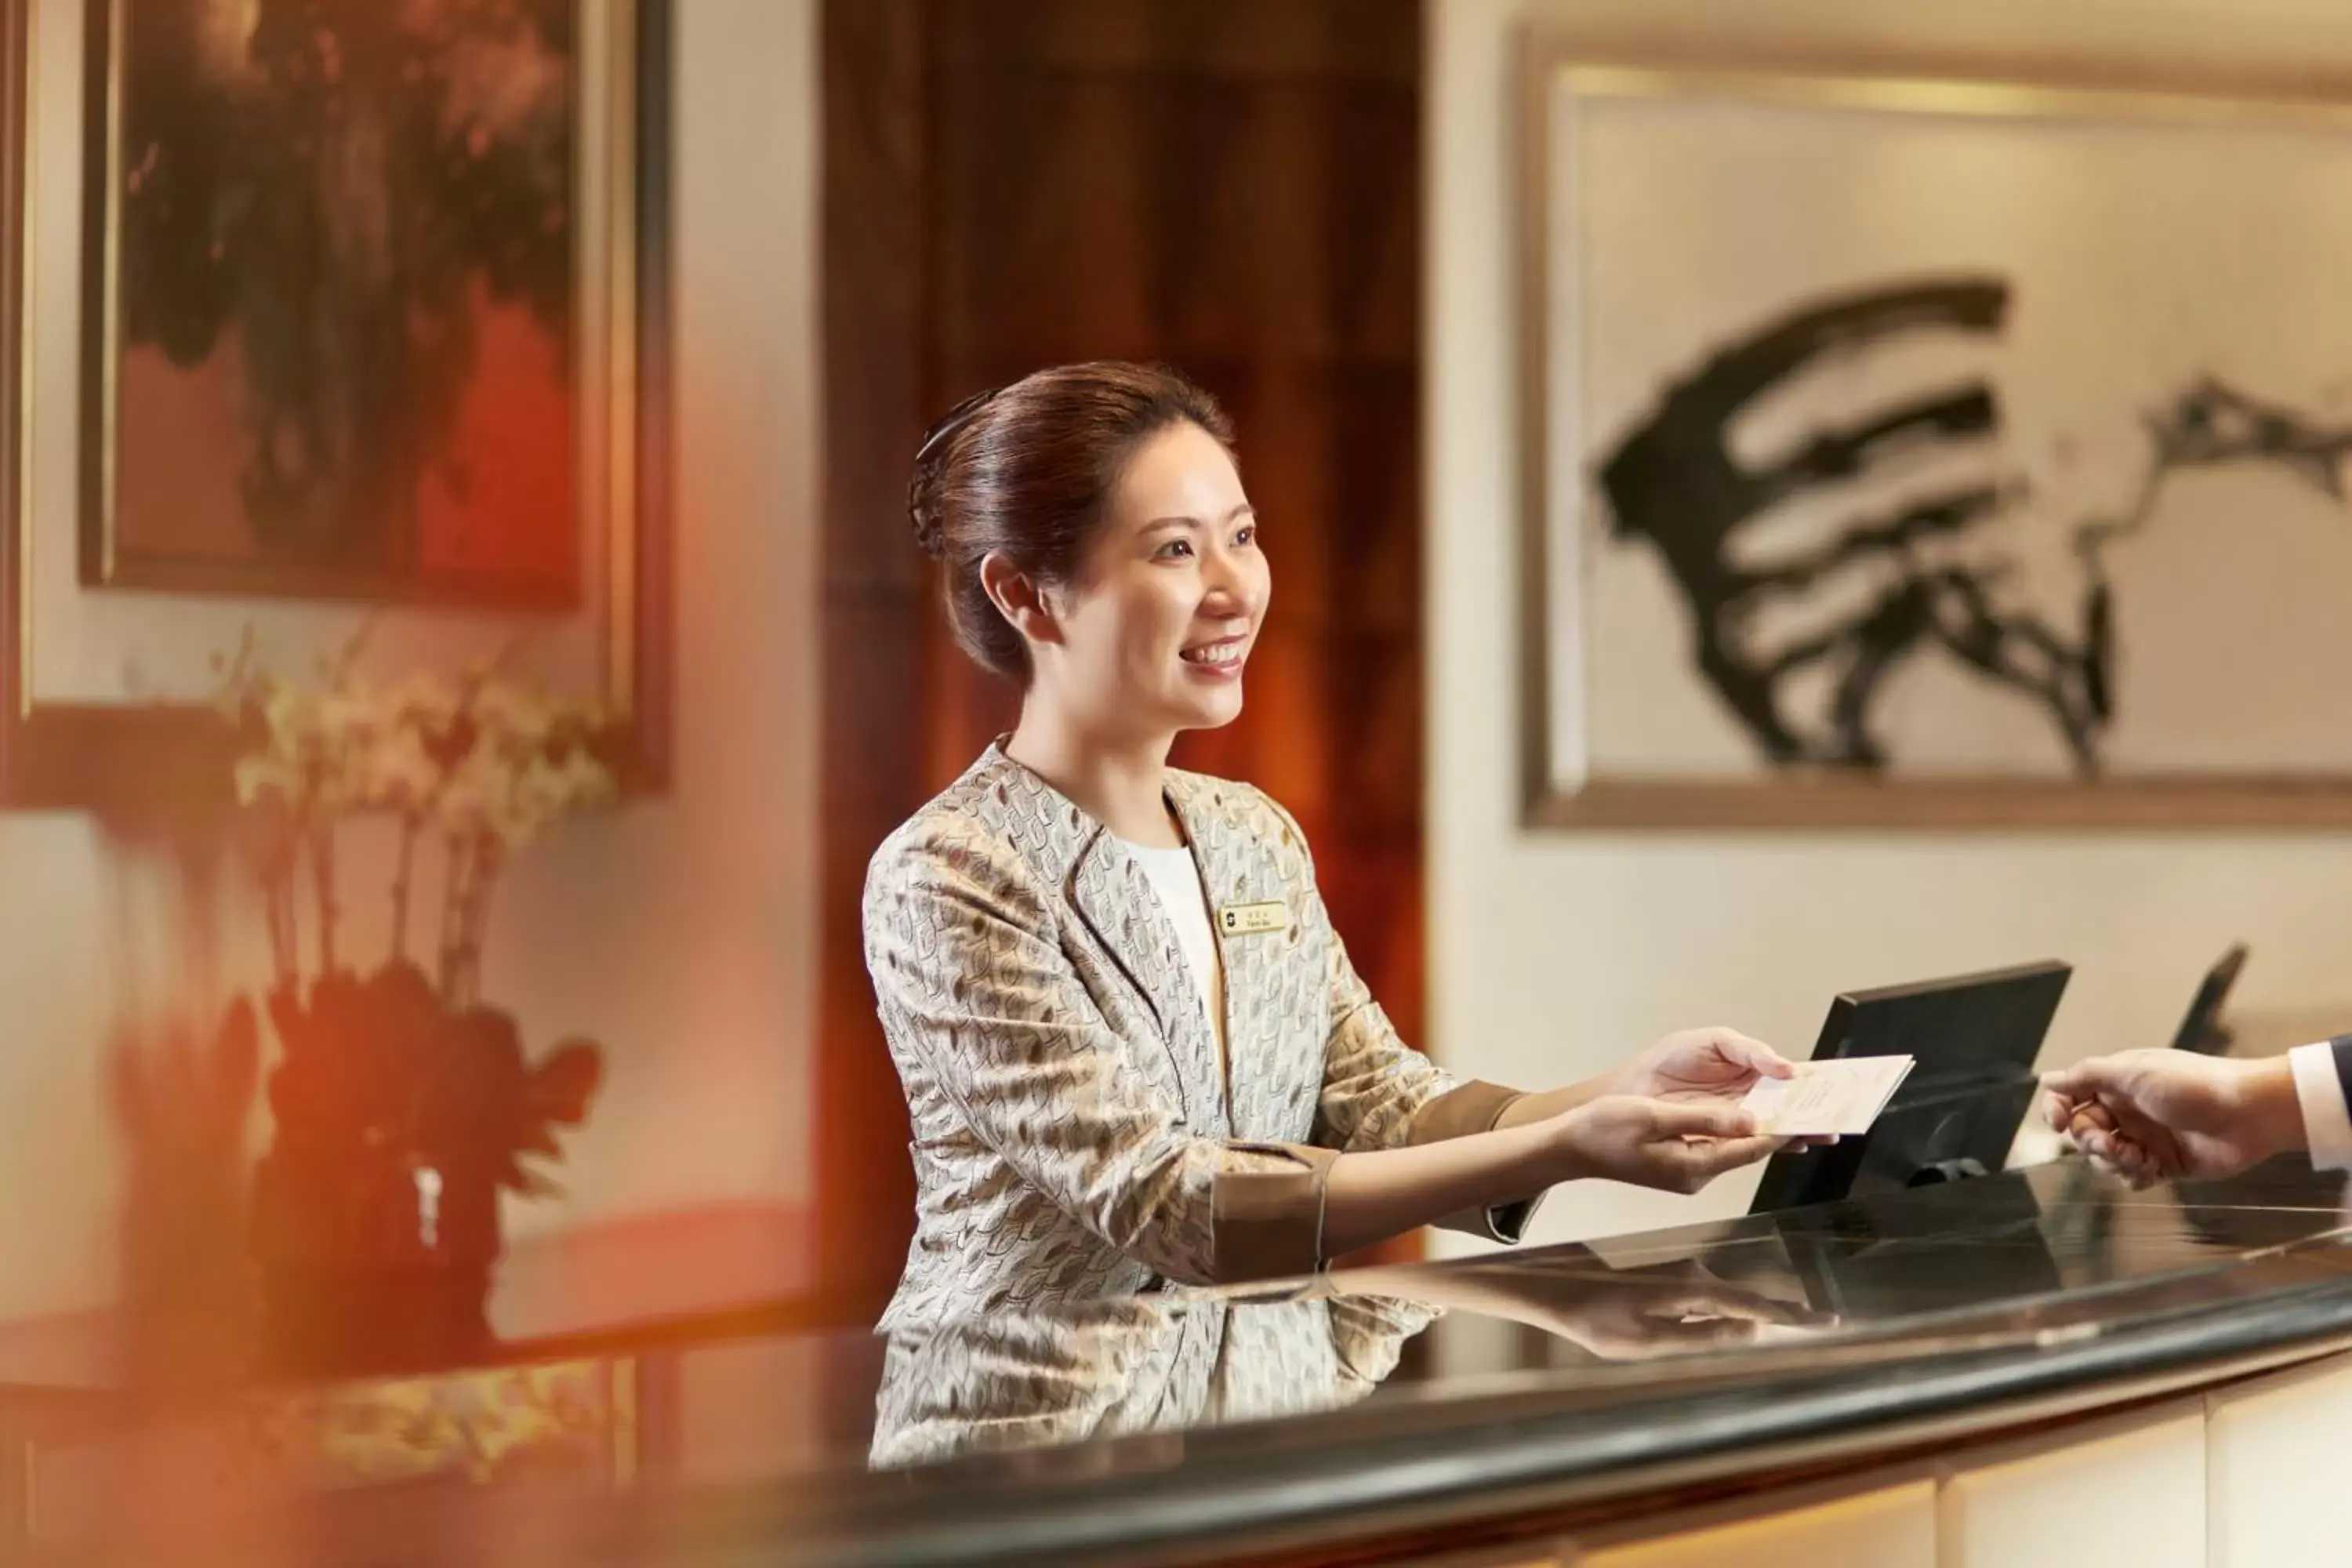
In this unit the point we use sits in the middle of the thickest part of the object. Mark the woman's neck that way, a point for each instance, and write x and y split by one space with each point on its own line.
1120 784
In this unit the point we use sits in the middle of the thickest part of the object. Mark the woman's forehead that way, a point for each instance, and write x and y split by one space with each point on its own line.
1182 472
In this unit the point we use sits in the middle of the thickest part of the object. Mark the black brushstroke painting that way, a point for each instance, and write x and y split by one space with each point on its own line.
1675 482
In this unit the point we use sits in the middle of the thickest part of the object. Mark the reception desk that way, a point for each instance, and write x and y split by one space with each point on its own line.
2040 1367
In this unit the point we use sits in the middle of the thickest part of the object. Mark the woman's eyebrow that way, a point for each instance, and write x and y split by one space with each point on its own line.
1245 510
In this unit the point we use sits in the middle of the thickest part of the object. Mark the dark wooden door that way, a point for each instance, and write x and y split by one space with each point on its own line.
1228 185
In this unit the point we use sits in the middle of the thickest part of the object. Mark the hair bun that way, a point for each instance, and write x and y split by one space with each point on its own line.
924 517
923 497
923 501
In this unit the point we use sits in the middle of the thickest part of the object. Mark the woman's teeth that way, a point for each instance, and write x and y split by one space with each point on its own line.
1217 654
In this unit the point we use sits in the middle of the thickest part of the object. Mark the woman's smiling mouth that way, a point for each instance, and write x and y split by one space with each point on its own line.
1223 656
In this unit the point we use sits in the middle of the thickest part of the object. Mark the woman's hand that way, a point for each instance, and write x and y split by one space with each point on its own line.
1700 1064
1615 1315
1705 1065
1676 1146
1675 1307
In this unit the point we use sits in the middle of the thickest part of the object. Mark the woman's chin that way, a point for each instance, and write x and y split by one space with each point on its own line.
1214 710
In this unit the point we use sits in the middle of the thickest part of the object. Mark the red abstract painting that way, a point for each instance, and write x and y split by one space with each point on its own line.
342 360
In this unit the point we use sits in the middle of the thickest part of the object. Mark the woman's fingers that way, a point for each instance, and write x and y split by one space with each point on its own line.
1709 1160
1699 1119
1742 1305
1746 1051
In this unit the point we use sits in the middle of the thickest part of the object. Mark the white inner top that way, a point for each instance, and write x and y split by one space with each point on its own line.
1177 884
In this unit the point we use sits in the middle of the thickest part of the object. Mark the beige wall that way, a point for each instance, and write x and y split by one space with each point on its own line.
1551 955
679 932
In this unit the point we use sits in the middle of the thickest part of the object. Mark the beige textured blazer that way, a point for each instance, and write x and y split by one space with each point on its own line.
1073 1139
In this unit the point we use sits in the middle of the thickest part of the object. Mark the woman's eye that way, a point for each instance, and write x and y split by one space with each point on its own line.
1245 534
1174 550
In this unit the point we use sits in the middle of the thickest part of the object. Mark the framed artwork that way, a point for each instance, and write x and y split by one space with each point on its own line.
328 314
1916 452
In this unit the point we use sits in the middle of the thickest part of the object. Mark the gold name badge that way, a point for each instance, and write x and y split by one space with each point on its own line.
1254 919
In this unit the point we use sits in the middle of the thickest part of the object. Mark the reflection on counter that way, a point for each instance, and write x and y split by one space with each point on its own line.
2011 1257
1120 1368
1170 1363
1574 1381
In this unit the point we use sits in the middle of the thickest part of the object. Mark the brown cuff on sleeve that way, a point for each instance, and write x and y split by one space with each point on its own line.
1471 1106
1505 1222
1475 1107
1269 1224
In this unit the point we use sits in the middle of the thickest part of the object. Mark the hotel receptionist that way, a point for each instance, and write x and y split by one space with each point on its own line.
1133 1049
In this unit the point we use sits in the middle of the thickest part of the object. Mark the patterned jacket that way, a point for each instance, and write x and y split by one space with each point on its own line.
1073 1139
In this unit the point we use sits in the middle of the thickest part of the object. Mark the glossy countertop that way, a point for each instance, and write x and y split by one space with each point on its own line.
1175 1427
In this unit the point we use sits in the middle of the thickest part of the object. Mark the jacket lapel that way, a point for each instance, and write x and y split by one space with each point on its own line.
1220 854
1274 1055
1115 899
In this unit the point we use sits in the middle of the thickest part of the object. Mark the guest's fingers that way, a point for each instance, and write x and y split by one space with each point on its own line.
2092 1114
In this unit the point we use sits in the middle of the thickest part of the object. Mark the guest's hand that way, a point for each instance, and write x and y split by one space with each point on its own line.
1675 1146
2156 1115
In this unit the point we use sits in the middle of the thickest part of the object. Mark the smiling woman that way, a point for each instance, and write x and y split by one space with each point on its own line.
1133 1048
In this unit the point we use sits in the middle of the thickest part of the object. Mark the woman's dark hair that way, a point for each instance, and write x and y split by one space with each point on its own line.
1027 470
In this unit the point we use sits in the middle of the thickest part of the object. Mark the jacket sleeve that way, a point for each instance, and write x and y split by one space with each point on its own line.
1380 1093
972 981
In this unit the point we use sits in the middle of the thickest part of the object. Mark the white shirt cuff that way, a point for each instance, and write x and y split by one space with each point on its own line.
2319 1092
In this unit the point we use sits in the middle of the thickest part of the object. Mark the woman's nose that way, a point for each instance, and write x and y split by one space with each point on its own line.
1226 579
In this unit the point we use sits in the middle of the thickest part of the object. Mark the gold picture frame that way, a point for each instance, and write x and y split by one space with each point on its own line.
134 755
1560 789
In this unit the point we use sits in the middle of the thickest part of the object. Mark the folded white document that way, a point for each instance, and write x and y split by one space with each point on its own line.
1832 1096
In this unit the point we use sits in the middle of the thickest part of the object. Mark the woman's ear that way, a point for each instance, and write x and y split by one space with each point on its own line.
1019 599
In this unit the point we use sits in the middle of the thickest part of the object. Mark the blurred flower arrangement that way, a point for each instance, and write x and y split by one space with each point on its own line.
403 1103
